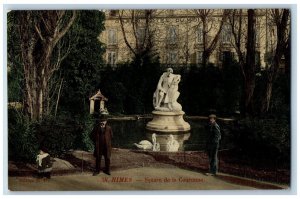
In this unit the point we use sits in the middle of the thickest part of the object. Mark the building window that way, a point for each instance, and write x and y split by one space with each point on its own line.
140 35
257 58
257 35
112 58
113 13
226 57
226 34
268 58
199 57
172 35
172 57
200 35
112 37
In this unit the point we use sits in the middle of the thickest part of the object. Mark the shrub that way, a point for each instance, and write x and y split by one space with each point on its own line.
22 140
57 136
83 140
265 139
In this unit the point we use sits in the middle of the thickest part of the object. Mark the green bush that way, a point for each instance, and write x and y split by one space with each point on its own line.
129 88
265 139
82 140
210 88
57 136
22 140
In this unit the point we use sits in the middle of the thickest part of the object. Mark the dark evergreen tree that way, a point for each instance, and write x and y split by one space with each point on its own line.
81 70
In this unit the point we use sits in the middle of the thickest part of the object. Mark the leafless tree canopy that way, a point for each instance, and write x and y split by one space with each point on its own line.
40 32
208 21
141 28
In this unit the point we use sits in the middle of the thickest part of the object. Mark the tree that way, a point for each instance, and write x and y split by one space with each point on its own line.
209 25
39 33
247 64
15 76
82 70
281 19
249 67
141 29
236 21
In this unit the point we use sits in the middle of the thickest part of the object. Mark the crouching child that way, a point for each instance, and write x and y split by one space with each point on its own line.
44 164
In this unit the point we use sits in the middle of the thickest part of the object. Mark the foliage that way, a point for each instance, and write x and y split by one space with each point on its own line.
231 88
130 87
281 97
15 84
81 70
82 140
37 49
211 88
263 139
22 139
72 133
57 136
15 77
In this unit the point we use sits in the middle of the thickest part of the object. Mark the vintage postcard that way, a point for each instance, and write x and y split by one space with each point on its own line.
149 99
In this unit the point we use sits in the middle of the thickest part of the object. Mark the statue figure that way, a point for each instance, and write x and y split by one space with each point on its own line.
166 94
173 94
161 93
168 114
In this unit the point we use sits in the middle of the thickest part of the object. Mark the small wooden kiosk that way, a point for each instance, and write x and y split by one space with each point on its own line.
97 103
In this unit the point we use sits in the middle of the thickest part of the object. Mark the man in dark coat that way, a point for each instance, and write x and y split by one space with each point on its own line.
212 146
101 136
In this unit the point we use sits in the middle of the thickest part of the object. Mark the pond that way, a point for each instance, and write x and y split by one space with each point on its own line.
128 132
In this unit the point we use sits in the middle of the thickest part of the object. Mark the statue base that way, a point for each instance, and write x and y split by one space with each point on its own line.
168 122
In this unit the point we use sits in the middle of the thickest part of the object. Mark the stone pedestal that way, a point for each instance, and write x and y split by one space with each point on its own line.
167 122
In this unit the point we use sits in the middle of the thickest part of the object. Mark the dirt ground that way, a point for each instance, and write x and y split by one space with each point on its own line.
134 164
145 178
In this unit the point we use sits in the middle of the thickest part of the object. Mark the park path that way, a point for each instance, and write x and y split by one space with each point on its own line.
144 178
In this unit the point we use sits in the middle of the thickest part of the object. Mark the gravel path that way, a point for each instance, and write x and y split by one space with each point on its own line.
139 170
145 178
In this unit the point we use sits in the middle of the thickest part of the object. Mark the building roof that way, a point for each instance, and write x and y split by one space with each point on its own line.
98 96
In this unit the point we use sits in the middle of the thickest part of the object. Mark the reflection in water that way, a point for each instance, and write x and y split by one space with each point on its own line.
170 141
172 144
146 145
133 131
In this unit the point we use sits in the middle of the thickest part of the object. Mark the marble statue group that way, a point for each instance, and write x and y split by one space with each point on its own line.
167 121
166 94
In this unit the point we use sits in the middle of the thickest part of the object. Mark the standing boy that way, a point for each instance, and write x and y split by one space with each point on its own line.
214 137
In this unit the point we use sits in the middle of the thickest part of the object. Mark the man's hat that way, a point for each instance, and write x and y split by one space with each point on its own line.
103 118
212 116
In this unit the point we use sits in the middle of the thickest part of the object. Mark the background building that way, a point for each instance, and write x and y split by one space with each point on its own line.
180 37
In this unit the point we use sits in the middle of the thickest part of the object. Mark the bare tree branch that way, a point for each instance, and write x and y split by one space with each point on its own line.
62 32
39 33
124 34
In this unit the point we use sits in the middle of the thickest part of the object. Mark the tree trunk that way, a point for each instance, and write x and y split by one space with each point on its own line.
209 47
140 50
204 53
287 57
39 33
204 58
58 96
265 103
282 27
249 67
